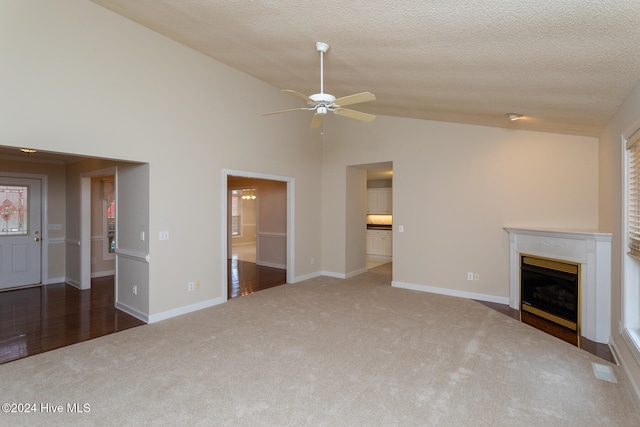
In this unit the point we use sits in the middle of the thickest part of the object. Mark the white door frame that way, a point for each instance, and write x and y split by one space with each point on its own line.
44 226
290 220
85 223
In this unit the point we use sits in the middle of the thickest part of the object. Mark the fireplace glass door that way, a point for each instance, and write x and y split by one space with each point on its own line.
550 289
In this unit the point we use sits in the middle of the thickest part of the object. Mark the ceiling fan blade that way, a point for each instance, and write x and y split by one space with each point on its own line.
287 111
316 121
299 95
355 99
352 114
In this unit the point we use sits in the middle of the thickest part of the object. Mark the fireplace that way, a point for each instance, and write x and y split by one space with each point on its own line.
590 252
550 296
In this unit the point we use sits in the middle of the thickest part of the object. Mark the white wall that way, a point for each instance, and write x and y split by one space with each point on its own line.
454 189
626 121
77 78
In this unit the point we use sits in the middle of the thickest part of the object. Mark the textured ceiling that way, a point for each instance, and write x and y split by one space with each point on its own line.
565 64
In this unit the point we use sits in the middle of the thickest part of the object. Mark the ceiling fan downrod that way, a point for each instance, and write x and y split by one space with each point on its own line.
322 48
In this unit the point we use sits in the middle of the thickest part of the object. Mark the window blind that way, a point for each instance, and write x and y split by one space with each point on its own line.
633 194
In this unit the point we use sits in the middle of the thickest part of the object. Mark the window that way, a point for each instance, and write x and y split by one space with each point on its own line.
13 210
109 215
631 273
633 194
236 210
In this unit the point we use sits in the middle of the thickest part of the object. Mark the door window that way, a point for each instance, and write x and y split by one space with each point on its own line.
14 210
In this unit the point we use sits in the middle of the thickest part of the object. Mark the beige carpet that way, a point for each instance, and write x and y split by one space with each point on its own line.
325 352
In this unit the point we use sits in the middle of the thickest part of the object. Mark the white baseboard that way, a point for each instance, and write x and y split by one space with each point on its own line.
132 311
52 280
628 378
242 243
356 272
72 282
97 274
271 264
307 276
451 292
332 274
184 310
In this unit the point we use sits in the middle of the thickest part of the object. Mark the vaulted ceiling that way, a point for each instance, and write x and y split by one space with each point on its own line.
566 65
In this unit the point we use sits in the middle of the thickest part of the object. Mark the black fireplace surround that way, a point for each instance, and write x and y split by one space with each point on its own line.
550 290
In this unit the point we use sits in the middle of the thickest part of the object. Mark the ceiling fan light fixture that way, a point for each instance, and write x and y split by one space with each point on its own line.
28 150
321 103
514 116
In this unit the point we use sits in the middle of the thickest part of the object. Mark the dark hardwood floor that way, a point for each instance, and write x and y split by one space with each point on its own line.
601 350
244 278
38 319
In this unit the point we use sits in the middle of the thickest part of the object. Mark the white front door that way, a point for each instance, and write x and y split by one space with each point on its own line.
20 232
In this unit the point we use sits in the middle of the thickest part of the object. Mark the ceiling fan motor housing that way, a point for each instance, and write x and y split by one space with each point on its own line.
323 98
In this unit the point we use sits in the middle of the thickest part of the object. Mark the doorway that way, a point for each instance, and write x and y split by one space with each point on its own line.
370 196
98 227
21 236
258 231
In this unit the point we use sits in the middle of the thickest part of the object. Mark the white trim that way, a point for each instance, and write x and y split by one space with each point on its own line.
635 390
450 292
356 272
132 311
72 282
333 274
136 256
53 280
632 338
271 264
106 273
183 310
307 277
343 275
243 243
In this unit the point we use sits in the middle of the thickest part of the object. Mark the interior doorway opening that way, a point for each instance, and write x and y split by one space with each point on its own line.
370 210
258 230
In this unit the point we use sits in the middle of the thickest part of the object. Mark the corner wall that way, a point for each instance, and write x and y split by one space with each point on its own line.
626 120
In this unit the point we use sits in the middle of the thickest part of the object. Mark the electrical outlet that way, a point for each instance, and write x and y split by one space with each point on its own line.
135 290
197 284
190 286
476 276
313 260
164 235
93 260
469 276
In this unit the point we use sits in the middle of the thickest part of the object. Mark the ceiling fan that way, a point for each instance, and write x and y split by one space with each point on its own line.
322 102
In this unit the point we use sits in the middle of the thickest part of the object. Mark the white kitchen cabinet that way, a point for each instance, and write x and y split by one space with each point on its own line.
379 242
379 201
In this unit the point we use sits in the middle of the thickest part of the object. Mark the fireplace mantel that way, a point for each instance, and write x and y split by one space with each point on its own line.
590 249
